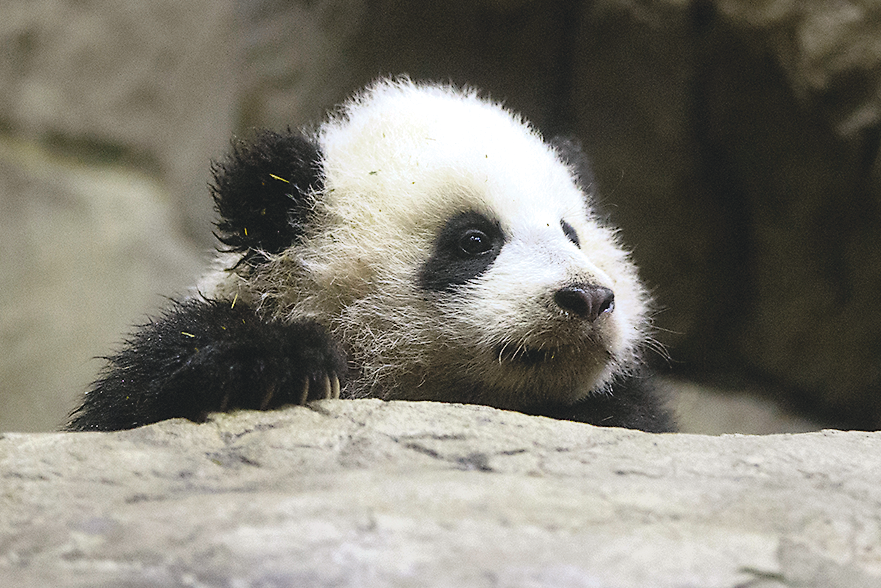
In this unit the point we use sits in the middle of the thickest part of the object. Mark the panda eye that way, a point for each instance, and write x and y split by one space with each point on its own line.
464 249
570 233
475 242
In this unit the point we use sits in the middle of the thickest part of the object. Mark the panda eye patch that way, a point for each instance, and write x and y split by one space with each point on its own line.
465 248
475 242
570 233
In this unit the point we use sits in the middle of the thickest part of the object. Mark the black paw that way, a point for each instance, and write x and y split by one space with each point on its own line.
207 356
286 364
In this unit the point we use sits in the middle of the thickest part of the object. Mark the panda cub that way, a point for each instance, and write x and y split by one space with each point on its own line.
424 244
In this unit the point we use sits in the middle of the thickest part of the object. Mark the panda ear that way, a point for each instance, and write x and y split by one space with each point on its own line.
570 151
262 191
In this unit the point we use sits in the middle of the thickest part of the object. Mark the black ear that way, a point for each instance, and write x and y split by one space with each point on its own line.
570 151
261 192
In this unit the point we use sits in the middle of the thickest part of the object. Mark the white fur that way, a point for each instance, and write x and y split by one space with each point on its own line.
400 160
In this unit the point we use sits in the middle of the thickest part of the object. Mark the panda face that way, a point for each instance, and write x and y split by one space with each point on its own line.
455 256
524 310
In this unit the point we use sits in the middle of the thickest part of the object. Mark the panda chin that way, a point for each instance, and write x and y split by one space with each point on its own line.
548 356
562 365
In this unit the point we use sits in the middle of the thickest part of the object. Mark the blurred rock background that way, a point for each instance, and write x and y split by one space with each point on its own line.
735 143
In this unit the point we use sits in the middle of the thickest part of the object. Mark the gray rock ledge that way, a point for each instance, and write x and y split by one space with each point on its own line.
371 493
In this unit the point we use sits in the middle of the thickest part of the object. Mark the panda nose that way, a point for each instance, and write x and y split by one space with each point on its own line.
588 302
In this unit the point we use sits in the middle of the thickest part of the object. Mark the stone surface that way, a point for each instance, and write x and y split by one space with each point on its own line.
368 493
712 410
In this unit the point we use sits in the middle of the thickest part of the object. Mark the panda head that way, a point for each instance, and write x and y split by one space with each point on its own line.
449 248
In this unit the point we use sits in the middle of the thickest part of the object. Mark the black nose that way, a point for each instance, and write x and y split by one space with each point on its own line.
588 302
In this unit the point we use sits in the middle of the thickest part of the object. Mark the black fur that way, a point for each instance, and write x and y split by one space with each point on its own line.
466 247
569 149
261 192
633 403
204 356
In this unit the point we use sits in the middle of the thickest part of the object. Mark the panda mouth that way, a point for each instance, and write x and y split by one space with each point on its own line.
528 356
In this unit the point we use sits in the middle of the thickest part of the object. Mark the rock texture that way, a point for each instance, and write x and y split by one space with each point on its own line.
368 493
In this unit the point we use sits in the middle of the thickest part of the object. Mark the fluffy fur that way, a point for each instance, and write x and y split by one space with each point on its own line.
423 244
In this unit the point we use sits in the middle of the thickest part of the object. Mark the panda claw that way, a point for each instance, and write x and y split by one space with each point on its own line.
328 391
304 395
264 404
335 387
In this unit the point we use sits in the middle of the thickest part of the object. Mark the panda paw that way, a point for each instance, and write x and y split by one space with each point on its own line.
207 356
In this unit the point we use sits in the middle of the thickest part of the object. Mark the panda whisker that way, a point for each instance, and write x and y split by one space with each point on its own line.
658 347
502 351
